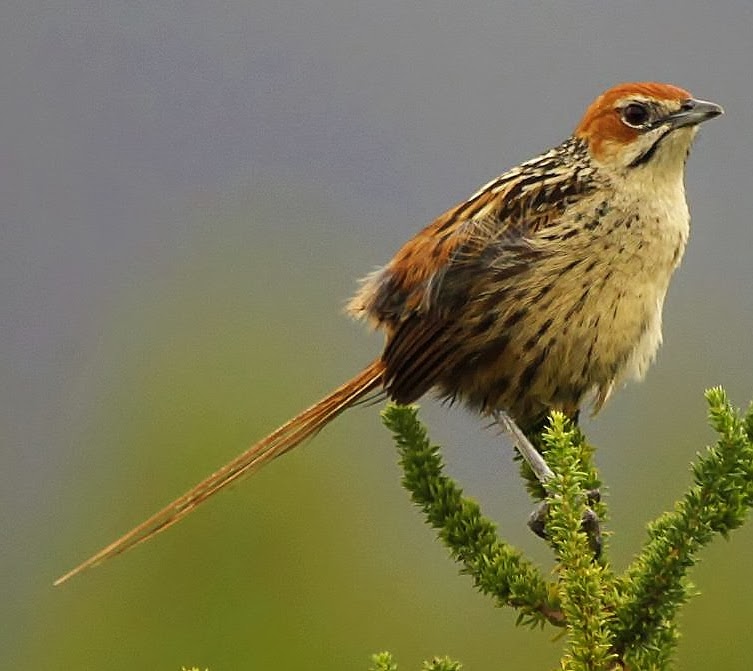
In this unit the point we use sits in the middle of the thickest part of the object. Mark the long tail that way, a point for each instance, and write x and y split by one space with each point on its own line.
284 439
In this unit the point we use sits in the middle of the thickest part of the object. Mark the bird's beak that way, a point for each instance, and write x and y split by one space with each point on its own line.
693 112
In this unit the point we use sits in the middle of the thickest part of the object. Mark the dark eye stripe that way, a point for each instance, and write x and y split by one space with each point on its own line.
645 157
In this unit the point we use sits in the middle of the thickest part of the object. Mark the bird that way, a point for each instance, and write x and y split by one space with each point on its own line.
540 292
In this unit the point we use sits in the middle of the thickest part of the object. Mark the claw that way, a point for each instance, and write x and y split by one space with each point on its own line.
590 523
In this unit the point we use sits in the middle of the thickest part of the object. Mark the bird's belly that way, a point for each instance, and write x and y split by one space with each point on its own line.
585 315
582 340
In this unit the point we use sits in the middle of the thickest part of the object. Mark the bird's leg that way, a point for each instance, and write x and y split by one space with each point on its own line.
537 464
526 449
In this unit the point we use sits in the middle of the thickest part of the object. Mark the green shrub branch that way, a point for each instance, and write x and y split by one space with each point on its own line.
610 622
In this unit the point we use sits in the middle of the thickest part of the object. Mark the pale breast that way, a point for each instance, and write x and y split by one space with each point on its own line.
600 322
641 244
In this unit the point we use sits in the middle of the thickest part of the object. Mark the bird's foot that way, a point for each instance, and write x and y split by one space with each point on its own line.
590 523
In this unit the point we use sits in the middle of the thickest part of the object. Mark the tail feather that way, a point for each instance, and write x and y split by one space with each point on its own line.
280 441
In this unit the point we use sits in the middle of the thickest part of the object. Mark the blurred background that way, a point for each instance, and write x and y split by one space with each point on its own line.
188 193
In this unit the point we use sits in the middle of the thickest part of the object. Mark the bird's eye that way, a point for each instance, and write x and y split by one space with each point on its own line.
635 114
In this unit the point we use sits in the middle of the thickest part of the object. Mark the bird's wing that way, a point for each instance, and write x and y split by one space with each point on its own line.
428 339
474 253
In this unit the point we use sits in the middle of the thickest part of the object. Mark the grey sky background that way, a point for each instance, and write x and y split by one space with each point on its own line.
175 155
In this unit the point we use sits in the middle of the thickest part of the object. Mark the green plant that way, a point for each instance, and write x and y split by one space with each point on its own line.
610 621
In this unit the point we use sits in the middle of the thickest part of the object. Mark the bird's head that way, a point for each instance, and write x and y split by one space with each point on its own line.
643 126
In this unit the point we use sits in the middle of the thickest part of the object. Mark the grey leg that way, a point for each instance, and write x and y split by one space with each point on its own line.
525 448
